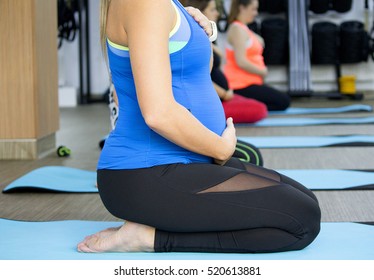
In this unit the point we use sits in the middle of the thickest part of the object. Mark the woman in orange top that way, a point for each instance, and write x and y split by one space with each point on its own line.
245 68
241 109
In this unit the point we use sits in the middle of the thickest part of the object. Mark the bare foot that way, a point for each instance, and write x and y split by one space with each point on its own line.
103 233
131 237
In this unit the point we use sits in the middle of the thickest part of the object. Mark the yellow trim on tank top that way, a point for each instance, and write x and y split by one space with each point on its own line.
172 32
114 45
177 24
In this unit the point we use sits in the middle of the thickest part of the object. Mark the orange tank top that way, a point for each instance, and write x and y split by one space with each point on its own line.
237 77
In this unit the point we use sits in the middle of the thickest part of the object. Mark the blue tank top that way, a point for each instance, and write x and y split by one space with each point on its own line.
132 144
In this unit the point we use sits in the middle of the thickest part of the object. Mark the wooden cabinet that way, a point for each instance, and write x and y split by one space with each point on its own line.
29 113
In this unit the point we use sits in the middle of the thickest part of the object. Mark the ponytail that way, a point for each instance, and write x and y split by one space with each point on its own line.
104 6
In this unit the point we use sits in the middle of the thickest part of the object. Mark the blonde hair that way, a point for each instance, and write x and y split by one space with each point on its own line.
104 6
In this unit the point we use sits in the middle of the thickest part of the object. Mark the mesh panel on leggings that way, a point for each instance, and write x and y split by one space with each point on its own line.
245 181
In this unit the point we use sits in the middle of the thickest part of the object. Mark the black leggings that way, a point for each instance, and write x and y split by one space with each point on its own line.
236 208
272 98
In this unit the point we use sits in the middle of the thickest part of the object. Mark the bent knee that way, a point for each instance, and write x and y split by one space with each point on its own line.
312 227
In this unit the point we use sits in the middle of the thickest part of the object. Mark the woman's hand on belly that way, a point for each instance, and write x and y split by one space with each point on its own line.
229 136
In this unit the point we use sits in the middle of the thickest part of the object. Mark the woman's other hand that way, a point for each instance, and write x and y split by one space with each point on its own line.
228 95
263 72
201 19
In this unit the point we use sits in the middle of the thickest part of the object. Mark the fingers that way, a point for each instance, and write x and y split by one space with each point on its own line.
230 127
230 121
229 95
201 19
220 162
195 13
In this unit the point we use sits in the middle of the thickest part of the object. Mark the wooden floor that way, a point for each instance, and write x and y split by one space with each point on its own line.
81 129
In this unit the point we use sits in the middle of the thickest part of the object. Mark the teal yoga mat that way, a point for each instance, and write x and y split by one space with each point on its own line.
72 180
307 121
55 178
332 179
310 141
57 241
332 110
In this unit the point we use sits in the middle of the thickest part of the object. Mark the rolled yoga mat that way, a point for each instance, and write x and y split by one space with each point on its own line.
72 180
307 121
57 240
309 141
332 110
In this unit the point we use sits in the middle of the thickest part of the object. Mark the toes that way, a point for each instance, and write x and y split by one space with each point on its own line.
89 245
103 241
83 248
87 237
94 244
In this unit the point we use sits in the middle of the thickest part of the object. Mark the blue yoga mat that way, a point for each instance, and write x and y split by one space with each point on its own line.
57 241
72 180
307 121
332 110
55 178
332 179
310 141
